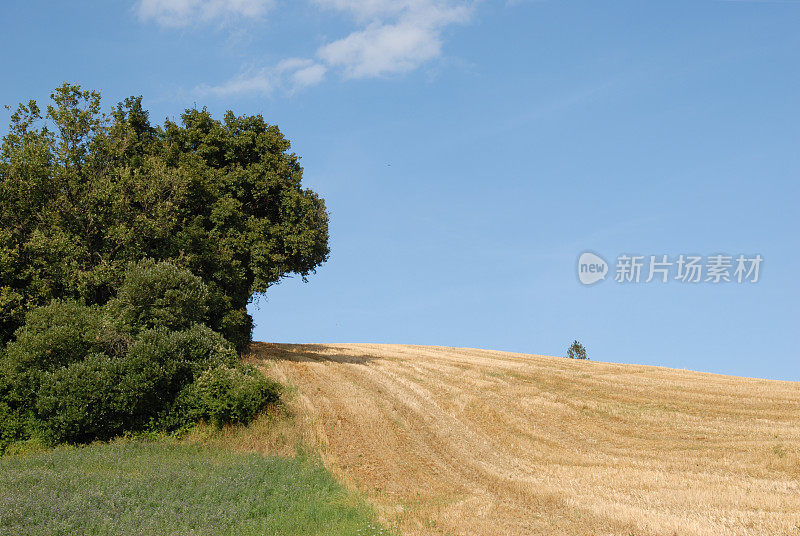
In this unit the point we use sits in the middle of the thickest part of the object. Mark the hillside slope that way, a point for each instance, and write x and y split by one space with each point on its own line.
474 442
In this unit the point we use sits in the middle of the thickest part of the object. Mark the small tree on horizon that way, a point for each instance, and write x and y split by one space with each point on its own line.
576 351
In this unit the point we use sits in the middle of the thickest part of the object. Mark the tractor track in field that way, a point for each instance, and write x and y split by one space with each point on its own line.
474 442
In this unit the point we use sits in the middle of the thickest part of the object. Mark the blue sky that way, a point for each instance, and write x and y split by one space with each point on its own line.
470 151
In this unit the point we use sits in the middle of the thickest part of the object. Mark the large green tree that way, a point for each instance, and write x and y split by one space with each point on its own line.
84 193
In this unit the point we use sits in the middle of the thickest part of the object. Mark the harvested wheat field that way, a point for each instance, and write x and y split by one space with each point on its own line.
475 442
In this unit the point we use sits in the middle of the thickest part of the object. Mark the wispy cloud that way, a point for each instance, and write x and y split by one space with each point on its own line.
289 75
177 13
394 46
309 75
389 37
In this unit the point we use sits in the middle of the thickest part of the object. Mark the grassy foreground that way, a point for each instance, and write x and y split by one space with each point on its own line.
143 487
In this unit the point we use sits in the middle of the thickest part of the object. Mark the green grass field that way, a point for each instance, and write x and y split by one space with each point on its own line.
160 487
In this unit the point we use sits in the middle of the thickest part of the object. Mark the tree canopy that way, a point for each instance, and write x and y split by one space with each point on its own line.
83 194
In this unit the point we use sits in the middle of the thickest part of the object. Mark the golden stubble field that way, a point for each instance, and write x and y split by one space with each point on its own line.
474 442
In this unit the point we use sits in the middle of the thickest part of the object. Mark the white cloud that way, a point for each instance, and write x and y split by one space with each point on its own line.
309 76
380 50
401 36
289 75
367 9
261 81
390 37
176 13
297 73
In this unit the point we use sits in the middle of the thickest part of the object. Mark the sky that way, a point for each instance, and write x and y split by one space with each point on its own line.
470 151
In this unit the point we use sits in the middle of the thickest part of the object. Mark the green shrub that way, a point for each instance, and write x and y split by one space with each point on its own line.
78 373
225 394
86 400
185 353
62 333
103 396
54 336
160 294
12 426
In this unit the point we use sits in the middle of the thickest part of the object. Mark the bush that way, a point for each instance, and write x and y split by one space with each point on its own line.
142 361
86 400
12 426
180 357
103 396
160 294
54 336
225 394
62 333
576 351
233 395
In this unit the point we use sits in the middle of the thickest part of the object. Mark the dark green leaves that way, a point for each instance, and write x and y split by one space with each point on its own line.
84 194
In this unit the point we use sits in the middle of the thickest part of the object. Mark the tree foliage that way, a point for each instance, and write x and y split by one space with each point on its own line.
76 372
159 294
576 351
83 194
